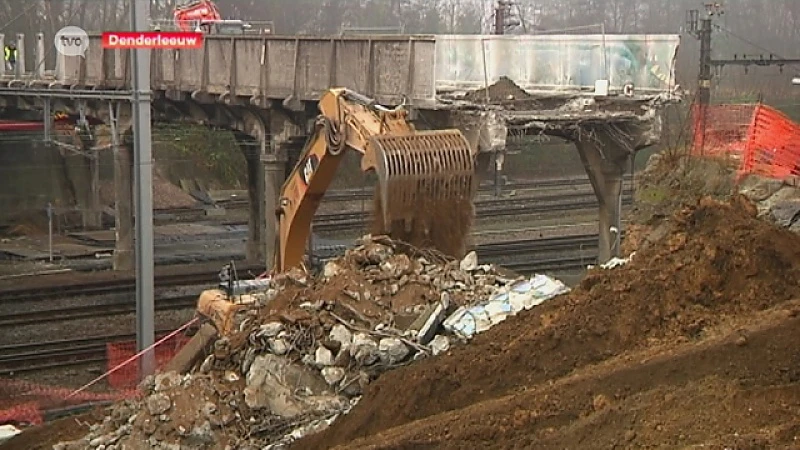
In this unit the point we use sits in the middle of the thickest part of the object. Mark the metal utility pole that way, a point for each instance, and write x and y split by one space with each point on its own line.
702 30
143 176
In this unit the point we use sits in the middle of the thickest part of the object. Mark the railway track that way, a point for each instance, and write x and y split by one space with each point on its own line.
483 209
31 357
111 286
511 250
92 311
340 195
360 194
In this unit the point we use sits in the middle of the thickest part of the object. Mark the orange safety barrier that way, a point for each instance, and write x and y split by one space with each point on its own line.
773 145
721 130
23 402
127 376
25 413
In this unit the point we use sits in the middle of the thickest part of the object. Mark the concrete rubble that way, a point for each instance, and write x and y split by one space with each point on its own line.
775 200
303 349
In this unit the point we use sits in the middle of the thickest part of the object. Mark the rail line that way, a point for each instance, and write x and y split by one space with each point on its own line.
340 195
483 209
356 194
111 286
491 251
39 356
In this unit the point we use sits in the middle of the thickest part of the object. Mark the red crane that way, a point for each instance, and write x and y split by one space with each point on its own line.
200 11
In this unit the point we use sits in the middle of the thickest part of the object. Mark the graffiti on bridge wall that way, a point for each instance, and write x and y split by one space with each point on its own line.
554 62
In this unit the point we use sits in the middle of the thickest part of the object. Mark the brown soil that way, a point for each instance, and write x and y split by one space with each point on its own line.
165 194
504 92
539 377
673 180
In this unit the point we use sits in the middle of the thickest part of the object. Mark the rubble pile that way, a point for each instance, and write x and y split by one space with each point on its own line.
301 353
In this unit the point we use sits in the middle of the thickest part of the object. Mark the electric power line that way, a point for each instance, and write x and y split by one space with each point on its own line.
747 41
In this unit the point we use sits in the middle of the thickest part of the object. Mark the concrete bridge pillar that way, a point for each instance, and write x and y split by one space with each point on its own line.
284 133
607 152
252 151
606 163
124 257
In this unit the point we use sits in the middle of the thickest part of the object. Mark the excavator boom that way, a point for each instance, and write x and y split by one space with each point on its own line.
420 174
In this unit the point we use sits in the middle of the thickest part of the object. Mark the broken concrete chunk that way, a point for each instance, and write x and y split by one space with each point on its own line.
341 334
323 357
377 253
440 344
269 381
428 323
158 404
270 329
278 346
392 350
331 269
785 213
364 350
333 375
165 381
470 262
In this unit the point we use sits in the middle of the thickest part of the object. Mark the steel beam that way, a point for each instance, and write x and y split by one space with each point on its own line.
66 93
143 175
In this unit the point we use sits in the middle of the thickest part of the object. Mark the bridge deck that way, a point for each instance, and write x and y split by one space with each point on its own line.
390 68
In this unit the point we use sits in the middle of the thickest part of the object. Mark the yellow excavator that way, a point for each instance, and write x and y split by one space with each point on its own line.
426 182
420 173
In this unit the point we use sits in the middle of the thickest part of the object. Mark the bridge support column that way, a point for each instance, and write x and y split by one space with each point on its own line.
124 257
285 134
606 162
274 177
123 208
254 250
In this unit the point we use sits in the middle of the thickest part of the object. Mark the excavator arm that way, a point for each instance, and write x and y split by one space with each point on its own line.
413 167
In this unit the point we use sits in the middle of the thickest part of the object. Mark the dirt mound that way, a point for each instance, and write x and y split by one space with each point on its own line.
502 91
671 181
736 392
715 263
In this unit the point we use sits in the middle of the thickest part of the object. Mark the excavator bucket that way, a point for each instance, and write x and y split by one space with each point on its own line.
425 177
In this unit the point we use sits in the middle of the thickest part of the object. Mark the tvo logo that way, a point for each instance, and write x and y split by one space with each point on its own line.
72 41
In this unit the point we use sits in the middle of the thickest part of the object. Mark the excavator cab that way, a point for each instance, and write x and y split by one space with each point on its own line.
426 179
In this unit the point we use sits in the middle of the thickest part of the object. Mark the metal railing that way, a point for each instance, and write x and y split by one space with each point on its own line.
224 26
345 31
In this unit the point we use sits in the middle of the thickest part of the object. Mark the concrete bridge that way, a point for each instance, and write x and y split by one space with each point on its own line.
266 88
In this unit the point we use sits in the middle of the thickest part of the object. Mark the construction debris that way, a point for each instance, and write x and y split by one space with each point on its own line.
294 357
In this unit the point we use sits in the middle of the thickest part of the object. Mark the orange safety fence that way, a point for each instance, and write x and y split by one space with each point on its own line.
773 145
761 140
127 377
26 402
23 402
721 130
